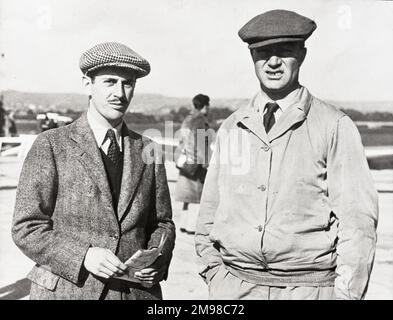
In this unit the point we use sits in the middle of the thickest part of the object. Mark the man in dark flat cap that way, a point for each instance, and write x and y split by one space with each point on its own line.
288 209
89 196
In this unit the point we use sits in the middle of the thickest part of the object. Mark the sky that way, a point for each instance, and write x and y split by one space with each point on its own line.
193 46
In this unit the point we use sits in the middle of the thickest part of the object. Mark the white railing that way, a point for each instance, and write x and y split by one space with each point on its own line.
374 124
26 140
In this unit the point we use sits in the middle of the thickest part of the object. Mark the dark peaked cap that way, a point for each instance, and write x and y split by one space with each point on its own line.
113 54
276 26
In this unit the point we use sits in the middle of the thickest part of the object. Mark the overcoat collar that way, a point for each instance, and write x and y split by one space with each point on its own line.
249 117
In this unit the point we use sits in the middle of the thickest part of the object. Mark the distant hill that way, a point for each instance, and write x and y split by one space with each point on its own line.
22 100
145 103
150 103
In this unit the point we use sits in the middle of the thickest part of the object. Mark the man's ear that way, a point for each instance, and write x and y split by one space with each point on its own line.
86 82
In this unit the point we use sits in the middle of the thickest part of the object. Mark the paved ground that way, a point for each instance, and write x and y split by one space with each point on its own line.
183 281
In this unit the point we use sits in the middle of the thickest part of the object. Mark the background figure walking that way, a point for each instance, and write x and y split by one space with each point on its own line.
192 158
7 122
2 119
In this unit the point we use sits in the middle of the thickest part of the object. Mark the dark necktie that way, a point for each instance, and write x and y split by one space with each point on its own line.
113 151
268 117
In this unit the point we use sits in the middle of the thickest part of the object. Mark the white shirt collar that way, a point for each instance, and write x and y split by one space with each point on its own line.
284 104
100 127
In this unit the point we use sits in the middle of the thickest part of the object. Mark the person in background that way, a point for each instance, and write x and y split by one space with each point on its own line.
12 129
7 122
296 218
3 116
194 145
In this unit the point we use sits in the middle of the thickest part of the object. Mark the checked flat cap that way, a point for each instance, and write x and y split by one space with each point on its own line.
113 54
276 26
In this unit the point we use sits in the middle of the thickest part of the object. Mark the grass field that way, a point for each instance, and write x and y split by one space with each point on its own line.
377 137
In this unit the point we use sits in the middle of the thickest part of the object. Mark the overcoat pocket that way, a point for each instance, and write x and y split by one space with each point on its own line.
43 278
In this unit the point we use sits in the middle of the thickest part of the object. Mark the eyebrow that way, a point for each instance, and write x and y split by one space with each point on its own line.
117 79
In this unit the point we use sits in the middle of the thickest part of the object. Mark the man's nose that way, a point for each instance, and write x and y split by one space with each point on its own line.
274 61
119 89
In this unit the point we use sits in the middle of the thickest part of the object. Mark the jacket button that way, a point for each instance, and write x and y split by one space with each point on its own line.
260 228
262 187
114 236
265 148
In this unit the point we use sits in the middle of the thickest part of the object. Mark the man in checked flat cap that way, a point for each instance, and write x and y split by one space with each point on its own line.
288 209
89 196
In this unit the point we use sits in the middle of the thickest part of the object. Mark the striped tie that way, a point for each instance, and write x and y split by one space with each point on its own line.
113 151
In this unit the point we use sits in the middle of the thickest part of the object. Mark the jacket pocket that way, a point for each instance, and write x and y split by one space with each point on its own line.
43 278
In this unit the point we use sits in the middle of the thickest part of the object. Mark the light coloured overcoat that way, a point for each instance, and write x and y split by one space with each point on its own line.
295 200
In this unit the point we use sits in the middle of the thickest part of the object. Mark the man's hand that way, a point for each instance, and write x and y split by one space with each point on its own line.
152 274
103 263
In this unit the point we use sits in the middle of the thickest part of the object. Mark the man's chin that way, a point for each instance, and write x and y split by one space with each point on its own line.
275 85
114 117
276 88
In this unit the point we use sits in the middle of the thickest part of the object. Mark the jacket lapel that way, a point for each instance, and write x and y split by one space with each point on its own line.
133 166
289 118
253 122
87 153
294 114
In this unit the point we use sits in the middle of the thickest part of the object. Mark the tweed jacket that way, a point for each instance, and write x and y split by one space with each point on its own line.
64 206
